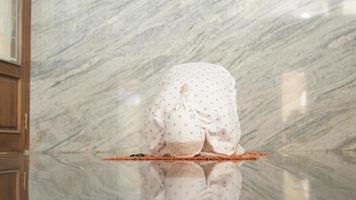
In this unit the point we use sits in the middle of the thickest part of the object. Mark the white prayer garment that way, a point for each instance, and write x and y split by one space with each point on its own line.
195 113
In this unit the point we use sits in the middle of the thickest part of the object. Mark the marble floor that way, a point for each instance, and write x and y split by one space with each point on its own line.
301 176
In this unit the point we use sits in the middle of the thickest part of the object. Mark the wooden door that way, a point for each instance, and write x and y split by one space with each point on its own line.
15 26
14 178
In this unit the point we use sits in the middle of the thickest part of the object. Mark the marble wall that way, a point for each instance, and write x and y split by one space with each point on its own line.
96 64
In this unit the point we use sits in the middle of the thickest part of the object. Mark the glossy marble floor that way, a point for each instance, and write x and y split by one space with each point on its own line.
83 176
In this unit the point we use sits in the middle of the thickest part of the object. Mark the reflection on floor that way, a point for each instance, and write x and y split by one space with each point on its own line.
83 176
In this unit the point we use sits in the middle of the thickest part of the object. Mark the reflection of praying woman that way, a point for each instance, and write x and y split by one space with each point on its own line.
191 180
195 113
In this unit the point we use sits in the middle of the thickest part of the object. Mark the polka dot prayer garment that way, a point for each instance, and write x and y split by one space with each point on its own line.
194 113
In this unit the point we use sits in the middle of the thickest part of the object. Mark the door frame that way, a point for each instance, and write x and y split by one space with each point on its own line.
22 71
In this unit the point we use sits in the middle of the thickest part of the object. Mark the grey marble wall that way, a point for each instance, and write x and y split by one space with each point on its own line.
96 64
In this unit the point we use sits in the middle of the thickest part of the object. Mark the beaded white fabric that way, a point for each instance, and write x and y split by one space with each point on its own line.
195 111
